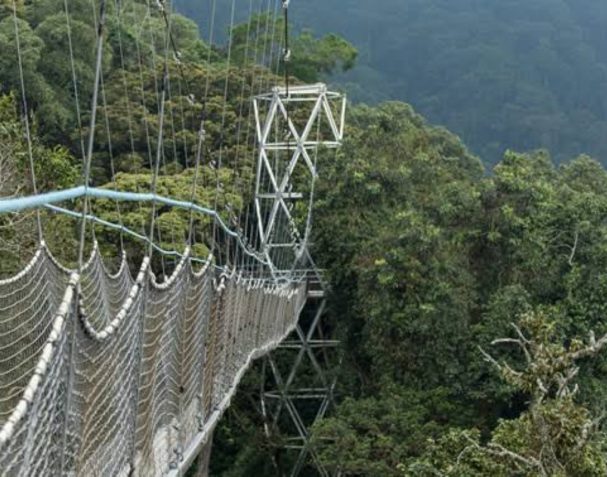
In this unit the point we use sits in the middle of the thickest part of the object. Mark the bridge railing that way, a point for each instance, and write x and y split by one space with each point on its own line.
109 374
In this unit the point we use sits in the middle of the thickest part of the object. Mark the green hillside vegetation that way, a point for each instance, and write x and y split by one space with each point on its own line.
128 116
471 306
445 262
127 120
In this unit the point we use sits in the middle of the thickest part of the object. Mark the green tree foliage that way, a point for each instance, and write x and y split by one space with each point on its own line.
57 45
311 58
501 73
172 223
54 168
555 436
314 59
435 259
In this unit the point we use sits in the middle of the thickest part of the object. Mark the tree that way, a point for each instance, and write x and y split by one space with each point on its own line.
501 73
554 436
53 168
311 58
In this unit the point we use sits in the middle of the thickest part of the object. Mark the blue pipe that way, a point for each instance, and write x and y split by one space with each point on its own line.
34 201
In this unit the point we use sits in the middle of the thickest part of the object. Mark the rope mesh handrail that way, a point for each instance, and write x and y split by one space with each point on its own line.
154 364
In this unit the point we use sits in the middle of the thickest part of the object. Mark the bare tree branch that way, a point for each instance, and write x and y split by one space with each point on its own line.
520 343
573 248
593 348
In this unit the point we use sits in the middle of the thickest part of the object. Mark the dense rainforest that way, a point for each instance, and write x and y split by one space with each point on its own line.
465 304
499 73
469 299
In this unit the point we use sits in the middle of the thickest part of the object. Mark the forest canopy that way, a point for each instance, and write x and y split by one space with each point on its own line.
470 306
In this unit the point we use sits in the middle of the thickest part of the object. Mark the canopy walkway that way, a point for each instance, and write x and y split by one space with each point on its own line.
122 369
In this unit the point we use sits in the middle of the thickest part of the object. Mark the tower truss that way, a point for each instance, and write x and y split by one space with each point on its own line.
293 125
296 128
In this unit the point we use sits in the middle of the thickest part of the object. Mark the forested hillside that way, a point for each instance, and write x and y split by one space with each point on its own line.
500 73
470 299
126 144
123 155
444 263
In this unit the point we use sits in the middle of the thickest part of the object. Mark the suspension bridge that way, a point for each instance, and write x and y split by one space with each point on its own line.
118 365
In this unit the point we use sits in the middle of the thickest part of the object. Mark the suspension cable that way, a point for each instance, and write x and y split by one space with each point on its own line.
286 56
26 121
89 155
237 167
159 144
201 143
219 163
74 78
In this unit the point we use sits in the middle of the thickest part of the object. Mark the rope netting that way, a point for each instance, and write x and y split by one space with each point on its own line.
118 376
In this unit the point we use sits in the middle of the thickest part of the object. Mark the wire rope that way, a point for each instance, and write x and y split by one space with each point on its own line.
25 116
93 122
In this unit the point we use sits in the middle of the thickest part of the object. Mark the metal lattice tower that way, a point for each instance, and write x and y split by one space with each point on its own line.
293 124
294 127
